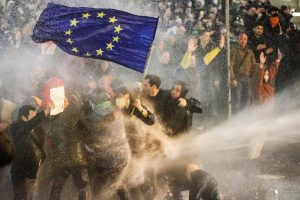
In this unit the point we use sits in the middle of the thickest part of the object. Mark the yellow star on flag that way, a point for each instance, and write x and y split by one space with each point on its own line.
100 15
116 39
75 50
69 41
99 52
68 32
112 19
109 46
86 15
73 22
87 54
118 29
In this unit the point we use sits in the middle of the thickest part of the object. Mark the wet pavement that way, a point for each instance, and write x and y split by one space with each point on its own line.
275 175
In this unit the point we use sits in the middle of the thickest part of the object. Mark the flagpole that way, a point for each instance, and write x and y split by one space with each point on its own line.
227 18
148 61
144 74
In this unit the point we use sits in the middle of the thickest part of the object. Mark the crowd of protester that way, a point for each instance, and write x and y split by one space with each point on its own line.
202 21
187 66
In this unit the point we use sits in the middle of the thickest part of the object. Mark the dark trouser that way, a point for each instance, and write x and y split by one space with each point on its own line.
213 93
102 182
105 168
241 94
59 182
22 188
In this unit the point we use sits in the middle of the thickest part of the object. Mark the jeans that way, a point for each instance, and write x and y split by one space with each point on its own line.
241 94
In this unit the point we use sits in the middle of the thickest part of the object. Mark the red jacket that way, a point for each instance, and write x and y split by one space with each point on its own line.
263 91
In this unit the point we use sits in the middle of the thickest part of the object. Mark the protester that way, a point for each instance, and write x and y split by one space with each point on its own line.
107 148
66 148
258 41
242 60
182 177
25 164
127 101
188 39
262 88
190 76
208 69
156 96
178 120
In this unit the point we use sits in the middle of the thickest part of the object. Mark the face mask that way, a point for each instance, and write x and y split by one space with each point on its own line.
274 21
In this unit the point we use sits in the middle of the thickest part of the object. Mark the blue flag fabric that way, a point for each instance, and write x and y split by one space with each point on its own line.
106 34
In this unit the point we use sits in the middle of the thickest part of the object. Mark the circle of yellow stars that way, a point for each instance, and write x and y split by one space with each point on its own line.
98 52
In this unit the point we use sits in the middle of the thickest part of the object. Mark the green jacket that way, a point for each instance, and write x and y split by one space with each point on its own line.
240 67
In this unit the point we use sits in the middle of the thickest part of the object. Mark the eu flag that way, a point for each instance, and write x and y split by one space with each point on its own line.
106 34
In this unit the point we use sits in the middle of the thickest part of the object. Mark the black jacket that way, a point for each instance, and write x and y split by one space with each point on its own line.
159 101
25 164
254 42
201 186
149 120
178 119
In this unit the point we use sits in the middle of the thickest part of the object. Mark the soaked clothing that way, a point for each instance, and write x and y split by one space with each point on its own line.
60 180
66 140
202 186
66 148
106 142
134 134
177 119
157 103
149 120
107 150
159 100
136 178
25 164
